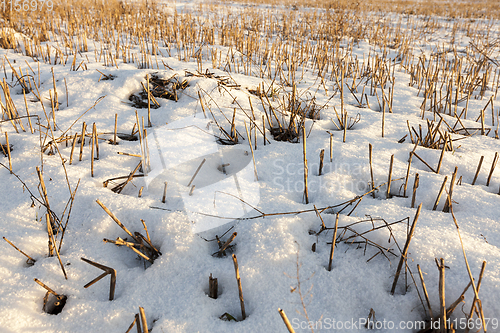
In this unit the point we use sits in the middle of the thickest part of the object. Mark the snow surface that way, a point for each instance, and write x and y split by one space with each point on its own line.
173 291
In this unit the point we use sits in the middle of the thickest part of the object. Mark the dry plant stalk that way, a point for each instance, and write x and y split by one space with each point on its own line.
371 318
253 156
477 170
59 303
371 168
116 128
149 100
442 300
82 140
143 320
425 292
407 175
225 246
441 190
49 232
448 202
53 245
388 193
442 153
137 323
493 165
306 170
240 291
146 249
72 149
213 287
8 151
196 172
476 296
474 302
321 157
30 261
115 218
331 147
119 188
163 199
415 186
92 151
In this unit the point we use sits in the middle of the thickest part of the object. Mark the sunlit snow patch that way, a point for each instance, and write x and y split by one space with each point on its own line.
224 186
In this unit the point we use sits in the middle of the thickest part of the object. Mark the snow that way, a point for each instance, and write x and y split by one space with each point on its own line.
174 289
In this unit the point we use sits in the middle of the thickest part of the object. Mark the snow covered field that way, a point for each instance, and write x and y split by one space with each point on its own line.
419 89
